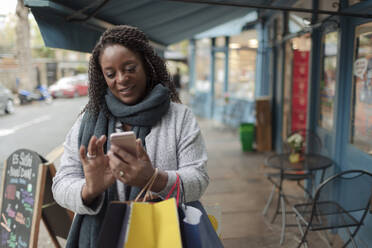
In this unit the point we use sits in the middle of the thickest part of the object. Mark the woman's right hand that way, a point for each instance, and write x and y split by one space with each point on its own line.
97 171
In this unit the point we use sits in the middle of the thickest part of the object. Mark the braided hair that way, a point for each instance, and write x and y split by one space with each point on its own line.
136 41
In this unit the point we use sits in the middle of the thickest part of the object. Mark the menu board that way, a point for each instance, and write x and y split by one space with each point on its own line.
22 189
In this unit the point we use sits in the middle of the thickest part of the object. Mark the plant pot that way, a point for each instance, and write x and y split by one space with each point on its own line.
294 157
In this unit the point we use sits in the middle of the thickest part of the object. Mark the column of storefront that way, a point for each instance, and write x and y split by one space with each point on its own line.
226 78
212 78
343 85
259 75
192 54
314 72
265 84
280 86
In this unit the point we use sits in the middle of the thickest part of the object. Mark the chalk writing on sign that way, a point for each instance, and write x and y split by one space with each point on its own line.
18 200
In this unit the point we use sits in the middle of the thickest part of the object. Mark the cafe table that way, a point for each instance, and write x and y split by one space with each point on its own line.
304 169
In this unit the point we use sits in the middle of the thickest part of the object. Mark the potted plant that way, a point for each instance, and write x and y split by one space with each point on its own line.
295 141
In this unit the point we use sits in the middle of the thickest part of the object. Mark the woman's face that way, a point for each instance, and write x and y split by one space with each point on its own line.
124 73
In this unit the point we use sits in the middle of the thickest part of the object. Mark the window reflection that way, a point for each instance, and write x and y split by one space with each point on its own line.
328 80
361 133
242 64
203 65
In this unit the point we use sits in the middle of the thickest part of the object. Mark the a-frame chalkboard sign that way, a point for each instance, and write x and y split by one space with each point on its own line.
25 197
22 189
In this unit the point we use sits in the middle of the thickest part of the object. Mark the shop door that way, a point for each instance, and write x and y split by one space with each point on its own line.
356 150
353 145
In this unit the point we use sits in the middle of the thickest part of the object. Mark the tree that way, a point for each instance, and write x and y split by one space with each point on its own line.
23 47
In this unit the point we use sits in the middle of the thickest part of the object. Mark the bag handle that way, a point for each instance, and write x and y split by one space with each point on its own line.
176 184
147 187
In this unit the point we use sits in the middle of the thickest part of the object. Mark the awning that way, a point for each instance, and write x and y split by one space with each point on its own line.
77 24
229 28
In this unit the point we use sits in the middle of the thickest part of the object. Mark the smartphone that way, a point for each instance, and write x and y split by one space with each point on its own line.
125 140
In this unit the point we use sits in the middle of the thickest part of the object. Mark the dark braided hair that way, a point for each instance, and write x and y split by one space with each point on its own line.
136 41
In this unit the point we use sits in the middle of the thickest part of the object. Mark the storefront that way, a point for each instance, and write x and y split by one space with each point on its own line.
321 79
225 77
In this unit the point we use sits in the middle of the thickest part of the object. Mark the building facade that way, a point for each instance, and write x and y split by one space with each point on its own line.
315 68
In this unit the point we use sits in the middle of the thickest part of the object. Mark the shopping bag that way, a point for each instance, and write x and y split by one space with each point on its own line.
141 224
196 229
112 225
153 225
214 215
199 235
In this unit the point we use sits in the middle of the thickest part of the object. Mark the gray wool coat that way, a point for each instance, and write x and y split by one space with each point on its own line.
174 145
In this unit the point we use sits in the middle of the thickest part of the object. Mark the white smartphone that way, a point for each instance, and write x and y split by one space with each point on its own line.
125 140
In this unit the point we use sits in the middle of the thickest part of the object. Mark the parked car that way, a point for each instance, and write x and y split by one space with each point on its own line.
81 84
70 87
62 88
6 100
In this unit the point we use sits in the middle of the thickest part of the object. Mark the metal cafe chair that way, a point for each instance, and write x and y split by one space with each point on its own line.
277 178
342 201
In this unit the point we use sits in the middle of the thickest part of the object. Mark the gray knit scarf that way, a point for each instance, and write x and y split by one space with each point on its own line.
142 116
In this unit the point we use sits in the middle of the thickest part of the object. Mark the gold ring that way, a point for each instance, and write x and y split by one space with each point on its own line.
121 173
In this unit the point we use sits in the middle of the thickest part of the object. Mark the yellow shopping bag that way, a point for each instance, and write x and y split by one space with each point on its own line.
143 224
153 225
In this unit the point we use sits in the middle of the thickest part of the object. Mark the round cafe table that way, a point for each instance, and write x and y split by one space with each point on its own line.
300 171
308 162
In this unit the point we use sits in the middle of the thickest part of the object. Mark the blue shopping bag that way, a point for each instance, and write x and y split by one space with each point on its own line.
196 229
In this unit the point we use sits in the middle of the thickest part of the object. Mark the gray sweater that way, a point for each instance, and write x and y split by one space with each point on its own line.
174 145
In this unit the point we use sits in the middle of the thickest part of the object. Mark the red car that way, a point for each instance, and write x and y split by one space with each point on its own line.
70 87
81 84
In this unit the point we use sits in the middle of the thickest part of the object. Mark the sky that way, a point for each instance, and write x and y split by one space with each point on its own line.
7 6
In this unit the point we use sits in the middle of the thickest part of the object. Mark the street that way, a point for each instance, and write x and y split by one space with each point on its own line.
39 127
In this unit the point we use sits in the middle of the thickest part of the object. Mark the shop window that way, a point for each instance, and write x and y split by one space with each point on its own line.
219 75
328 80
247 39
242 64
220 41
361 131
203 65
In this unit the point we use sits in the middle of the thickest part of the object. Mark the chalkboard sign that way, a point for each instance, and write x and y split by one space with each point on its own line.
21 197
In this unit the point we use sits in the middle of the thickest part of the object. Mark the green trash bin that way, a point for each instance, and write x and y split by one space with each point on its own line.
246 131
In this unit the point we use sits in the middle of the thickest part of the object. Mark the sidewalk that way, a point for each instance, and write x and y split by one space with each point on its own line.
239 186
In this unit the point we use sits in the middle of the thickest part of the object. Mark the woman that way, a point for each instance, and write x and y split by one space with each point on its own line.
129 89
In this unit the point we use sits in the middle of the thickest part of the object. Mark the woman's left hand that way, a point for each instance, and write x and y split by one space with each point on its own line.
131 169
